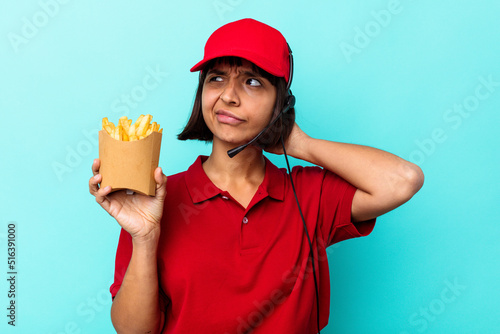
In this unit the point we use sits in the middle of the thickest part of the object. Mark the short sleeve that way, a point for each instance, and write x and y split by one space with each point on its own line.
335 211
123 255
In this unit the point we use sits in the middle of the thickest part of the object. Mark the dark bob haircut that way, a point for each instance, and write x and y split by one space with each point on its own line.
198 130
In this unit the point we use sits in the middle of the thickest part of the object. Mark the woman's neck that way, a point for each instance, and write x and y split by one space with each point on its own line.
240 175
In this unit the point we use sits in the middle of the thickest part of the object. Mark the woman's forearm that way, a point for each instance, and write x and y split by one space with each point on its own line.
367 168
136 307
385 180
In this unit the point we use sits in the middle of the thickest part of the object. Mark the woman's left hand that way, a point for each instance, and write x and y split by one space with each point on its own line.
294 144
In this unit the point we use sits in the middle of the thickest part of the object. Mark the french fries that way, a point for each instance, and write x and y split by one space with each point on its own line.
126 131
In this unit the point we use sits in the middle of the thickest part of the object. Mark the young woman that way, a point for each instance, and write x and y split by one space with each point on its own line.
222 247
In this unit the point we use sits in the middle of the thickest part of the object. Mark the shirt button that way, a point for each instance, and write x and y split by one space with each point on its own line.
245 220
225 197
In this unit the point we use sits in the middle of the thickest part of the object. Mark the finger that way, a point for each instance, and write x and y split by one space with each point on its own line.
101 197
161 183
95 166
94 183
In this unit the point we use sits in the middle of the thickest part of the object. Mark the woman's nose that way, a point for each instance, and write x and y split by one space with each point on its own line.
230 95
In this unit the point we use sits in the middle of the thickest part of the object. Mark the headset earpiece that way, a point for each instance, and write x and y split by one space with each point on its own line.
289 102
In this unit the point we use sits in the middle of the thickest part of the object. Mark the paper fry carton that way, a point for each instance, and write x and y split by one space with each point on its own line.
129 164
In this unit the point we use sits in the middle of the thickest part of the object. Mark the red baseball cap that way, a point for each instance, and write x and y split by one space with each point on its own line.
252 40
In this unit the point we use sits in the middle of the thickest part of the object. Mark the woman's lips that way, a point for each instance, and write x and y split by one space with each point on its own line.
227 117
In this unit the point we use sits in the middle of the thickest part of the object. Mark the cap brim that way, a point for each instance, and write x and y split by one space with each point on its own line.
253 58
199 66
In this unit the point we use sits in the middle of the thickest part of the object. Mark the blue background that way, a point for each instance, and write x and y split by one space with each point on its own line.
366 75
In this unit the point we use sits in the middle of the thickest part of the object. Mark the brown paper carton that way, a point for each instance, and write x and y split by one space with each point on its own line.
129 164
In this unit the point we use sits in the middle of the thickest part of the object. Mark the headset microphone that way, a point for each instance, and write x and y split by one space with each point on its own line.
289 103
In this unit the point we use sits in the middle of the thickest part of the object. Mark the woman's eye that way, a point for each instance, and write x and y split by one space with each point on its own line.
215 78
254 82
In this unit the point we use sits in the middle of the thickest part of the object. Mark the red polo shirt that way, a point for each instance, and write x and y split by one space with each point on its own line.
224 268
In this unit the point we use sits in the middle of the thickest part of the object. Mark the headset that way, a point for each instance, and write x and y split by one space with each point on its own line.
289 103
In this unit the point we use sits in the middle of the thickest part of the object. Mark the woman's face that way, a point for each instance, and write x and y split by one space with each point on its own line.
237 103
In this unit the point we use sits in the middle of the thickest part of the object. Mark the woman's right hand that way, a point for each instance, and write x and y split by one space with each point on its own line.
138 214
